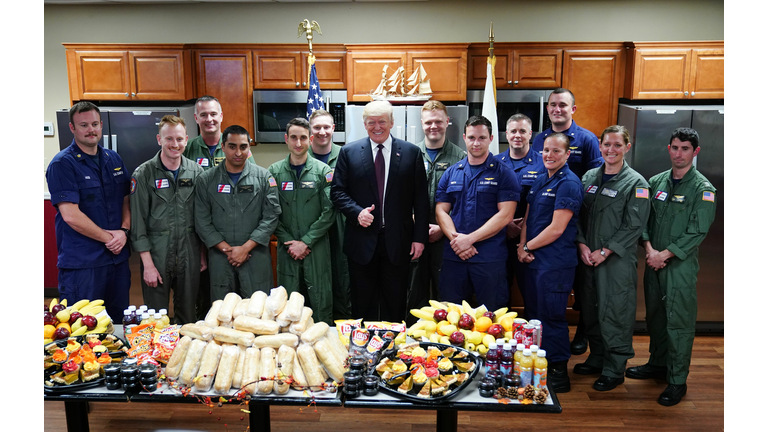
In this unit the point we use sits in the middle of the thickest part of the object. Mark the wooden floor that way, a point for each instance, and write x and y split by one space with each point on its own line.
631 406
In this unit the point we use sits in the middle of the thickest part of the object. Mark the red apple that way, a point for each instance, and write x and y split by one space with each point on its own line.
440 315
496 330
457 338
466 322
90 322
74 316
60 333
58 307
490 315
50 318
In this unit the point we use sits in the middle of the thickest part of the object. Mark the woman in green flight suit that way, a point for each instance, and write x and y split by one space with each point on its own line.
614 212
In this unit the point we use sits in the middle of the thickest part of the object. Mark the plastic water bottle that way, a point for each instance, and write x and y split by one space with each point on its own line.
540 370
526 368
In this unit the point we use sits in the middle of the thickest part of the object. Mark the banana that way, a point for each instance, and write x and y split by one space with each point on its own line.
508 314
53 303
434 338
418 325
428 309
63 315
480 311
445 340
97 329
437 305
63 302
77 324
467 308
80 331
499 312
418 313
79 305
98 302
103 320
92 310
418 334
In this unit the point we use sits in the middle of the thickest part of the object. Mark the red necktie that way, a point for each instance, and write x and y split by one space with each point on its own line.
379 165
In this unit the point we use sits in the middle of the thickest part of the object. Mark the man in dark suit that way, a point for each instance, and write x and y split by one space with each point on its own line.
381 187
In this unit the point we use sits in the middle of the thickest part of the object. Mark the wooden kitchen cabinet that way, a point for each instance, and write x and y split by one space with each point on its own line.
287 68
675 70
595 74
227 76
446 70
365 70
516 68
129 72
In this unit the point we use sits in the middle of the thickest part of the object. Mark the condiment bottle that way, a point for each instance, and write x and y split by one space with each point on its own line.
540 370
526 368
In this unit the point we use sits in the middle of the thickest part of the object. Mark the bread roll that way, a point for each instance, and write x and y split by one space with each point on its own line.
267 374
209 363
252 369
276 301
173 368
294 306
211 318
226 334
197 331
256 325
282 321
237 377
241 307
310 366
226 370
256 304
228 306
338 346
276 341
299 380
329 360
314 333
298 327
192 361
285 357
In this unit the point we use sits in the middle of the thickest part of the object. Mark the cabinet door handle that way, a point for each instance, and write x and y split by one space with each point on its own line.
127 95
297 83
509 82
133 94
516 82
693 93
303 84
685 93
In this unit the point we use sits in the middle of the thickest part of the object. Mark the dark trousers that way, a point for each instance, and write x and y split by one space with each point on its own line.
111 283
425 278
546 294
379 288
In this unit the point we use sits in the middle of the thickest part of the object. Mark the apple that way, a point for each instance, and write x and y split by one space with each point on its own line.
440 315
50 318
457 338
490 315
496 330
90 322
74 316
60 333
58 307
466 321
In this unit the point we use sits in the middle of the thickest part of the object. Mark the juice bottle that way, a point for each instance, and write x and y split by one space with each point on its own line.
164 316
518 356
492 357
127 320
135 319
145 318
526 368
540 370
158 321
534 350
507 360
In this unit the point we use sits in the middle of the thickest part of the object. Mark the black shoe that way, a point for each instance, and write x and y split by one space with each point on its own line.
579 346
605 383
647 371
586 369
558 377
673 394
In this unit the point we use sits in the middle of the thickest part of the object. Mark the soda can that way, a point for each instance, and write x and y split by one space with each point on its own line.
537 327
517 329
528 334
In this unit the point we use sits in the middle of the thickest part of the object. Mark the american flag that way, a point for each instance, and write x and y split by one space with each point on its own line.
314 96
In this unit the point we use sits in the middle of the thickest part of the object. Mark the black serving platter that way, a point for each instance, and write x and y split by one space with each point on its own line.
455 388
62 388
62 343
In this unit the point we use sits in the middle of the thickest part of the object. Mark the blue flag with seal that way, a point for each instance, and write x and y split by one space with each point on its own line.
314 96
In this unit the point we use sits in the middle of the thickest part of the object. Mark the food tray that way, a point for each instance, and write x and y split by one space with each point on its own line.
454 388
62 343
61 388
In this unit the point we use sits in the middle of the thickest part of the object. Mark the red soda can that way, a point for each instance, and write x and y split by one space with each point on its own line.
528 335
517 329
537 328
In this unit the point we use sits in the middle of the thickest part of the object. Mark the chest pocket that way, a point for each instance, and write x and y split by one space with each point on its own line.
678 218
91 194
455 191
247 197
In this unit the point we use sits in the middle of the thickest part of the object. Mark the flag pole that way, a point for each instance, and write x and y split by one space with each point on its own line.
489 95
308 27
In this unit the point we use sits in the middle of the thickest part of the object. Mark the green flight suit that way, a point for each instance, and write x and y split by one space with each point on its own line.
163 224
425 271
680 219
613 215
342 300
307 215
198 152
236 213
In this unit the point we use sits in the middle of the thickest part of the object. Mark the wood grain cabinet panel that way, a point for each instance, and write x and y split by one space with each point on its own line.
160 75
446 71
277 69
365 70
537 68
227 76
331 67
100 75
595 76
707 74
661 74
477 68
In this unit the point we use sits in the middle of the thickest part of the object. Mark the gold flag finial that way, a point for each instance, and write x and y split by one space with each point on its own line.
308 27
490 40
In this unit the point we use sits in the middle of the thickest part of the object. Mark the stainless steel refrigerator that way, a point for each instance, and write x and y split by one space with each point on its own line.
130 131
407 125
650 127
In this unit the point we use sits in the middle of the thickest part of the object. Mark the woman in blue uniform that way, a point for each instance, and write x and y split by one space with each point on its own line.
548 251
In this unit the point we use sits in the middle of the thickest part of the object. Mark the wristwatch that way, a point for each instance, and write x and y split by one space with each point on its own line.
126 231
602 251
525 248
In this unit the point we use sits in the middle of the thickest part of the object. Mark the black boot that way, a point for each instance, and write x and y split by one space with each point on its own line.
579 343
557 375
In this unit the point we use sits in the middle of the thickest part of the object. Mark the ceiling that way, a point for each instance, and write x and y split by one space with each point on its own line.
212 1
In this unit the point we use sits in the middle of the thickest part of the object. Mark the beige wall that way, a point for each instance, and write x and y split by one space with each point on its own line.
430 21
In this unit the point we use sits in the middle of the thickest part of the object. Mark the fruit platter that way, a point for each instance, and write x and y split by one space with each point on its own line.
427 372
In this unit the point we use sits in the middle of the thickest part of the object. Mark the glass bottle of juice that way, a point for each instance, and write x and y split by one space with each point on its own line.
518 356
507 360
540 370
526 368
492 357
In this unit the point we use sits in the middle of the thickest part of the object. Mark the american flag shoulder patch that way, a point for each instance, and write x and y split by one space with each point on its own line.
641 193
708 196
272 182
329 177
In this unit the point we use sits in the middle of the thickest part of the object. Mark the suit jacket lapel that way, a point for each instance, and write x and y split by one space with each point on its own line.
366 156
394 166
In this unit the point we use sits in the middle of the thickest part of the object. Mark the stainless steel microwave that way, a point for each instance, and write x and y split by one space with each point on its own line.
273 109
532 103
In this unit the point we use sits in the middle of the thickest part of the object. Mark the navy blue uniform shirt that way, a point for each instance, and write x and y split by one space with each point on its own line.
527 170
585 148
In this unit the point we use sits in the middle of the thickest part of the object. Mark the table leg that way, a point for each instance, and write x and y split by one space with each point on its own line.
259 417
77 415
447 420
